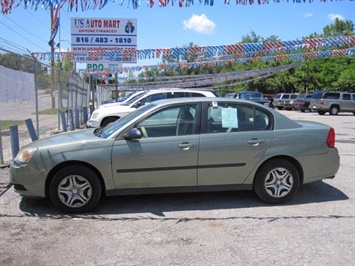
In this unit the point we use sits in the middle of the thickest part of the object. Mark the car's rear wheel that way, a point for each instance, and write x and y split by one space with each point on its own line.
75 189
277 181
334 110
280 108
321 112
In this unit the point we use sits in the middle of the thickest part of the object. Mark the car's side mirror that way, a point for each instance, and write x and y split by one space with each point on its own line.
132 134
137 105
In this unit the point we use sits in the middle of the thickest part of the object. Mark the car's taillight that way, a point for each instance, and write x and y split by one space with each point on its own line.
321 102
331 138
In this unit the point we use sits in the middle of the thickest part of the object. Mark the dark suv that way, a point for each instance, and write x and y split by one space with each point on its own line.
333 102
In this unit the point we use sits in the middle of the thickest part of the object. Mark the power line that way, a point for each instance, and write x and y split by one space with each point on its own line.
21 36
24 29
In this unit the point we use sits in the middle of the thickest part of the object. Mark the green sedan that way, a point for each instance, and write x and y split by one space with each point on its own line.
178 145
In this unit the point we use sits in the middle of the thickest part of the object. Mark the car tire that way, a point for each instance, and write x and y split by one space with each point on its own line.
334 110
276 181
280 108
321 112
75 189
302 110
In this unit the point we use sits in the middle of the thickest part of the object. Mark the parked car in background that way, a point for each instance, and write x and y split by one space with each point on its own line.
333 102
284 100
302 102
253 96
178 145
128 98
101 117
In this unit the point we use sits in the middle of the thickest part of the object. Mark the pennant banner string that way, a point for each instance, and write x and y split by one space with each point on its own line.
84 5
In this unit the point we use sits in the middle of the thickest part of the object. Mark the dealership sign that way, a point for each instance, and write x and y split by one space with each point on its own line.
98 66
104 40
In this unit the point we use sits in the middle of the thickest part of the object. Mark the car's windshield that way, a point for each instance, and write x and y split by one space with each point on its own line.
110 129
133 99
249 95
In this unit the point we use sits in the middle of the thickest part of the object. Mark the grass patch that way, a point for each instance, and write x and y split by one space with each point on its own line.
5 124
51 111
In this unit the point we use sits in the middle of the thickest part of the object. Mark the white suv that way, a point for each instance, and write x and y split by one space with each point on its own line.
103 116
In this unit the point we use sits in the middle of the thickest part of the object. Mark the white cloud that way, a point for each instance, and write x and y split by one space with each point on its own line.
307 15
334 16
200 24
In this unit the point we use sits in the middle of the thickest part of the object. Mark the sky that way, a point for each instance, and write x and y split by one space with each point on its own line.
26 30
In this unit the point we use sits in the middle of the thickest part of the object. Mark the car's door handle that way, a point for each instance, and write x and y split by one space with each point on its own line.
186 146
256 142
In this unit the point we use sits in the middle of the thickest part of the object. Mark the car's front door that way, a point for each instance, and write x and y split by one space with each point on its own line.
166 155
236 139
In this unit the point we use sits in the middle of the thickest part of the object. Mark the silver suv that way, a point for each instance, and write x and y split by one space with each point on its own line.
333 102
284 100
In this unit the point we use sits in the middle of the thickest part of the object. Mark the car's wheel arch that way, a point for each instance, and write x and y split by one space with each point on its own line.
109 118
282 157
62 165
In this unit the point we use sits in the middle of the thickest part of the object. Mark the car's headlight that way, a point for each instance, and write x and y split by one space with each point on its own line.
94 115
24 155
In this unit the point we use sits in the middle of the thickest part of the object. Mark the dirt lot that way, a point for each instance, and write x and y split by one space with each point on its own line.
233 228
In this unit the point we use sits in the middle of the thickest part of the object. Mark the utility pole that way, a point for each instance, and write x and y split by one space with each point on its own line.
52 63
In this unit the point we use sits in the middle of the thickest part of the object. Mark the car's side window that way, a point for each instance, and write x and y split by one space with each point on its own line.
174 121
175 94
152 98
346 97
227 118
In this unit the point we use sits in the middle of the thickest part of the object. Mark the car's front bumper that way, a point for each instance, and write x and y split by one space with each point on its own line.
92 123
27 181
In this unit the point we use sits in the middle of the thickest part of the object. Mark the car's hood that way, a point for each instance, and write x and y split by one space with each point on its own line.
79 137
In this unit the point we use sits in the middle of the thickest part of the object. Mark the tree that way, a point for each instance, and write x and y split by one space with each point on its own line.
339 28
252 38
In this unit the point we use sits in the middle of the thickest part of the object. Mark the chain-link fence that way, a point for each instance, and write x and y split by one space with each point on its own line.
67 107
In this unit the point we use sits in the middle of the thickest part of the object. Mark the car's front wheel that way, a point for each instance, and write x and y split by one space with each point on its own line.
277 181
321 112
75 189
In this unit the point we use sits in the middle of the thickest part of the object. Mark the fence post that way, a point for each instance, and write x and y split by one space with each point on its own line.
85 114
77 122
15 146
1 151
71 119
64 121
31 129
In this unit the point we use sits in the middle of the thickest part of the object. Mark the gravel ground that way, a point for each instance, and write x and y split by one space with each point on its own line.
224 228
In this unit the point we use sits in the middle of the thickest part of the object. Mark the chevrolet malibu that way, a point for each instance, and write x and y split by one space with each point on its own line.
178 145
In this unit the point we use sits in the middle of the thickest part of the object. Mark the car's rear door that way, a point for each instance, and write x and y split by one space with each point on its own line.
166 156
236 138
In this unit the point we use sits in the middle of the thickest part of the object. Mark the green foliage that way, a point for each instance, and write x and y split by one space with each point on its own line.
5 124
339 28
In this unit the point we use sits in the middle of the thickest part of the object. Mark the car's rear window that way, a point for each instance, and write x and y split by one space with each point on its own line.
317 95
